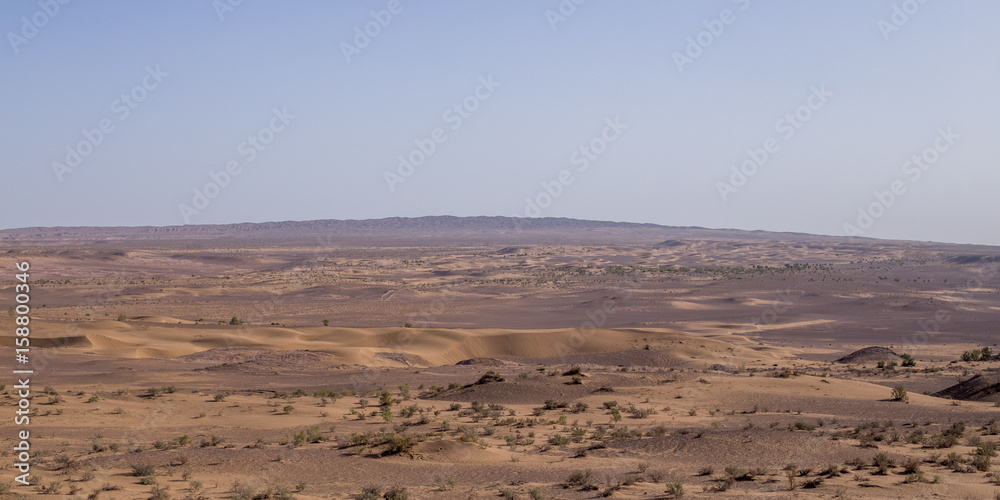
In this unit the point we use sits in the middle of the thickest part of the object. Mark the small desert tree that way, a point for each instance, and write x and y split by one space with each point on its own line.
972 355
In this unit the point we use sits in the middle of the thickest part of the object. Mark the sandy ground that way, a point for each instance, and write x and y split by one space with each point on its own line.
458 369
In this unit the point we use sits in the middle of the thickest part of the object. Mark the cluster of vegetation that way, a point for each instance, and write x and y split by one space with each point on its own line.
375 492
243 491
383 443
981 354
718 270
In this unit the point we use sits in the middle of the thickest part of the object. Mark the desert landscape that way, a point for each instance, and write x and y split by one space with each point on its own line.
518 250
483 357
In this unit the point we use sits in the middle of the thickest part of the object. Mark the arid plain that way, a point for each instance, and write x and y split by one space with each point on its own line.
488 357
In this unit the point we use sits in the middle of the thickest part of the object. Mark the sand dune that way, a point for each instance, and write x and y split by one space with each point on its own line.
366 345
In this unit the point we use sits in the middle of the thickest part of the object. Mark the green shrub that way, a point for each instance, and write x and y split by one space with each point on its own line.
584 479
396 493
142 469
489 377
370 492
883 462
675 489
899 394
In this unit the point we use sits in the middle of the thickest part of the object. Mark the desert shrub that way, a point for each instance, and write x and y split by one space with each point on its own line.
941 441
313 434
559 440
624 433
883 463
53 488
396 493
675 489
813 483
489 377
584 479
987 448
400 443
899 394
802 426
159 493
551 404
952 459
658 430
370 492
982 462
740 474
641 412
142 469
385 399
409 411
908 360
576 370
957 429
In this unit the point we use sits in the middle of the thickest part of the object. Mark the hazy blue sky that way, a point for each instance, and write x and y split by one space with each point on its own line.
883 86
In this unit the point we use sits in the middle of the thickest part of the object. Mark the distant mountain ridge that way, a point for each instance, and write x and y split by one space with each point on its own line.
444 229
